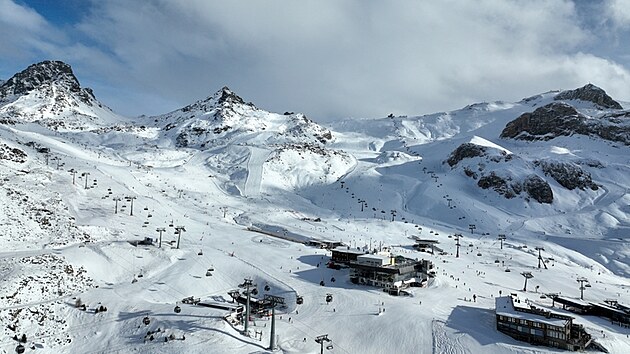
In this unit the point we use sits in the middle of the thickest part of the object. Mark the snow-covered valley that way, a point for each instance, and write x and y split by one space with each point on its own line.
216 180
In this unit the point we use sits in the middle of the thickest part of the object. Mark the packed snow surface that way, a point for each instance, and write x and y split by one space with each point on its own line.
74 205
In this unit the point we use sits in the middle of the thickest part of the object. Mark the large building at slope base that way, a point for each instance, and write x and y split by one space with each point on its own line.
539 327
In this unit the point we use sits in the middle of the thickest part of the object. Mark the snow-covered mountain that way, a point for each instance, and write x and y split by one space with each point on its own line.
80 186
50 94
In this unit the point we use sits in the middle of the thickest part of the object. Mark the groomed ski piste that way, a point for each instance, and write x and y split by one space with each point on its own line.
71 243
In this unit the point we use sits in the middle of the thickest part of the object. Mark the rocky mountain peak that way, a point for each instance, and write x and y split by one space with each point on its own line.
547 122
40 74
589 93
225 95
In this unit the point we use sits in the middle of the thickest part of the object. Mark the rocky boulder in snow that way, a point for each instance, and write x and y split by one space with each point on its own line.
545 123
589 93
538 189
12 154
500 185
567 174
470 150
465 150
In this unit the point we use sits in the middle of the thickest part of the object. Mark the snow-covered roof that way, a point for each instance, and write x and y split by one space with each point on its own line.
348 250
373 257
504 306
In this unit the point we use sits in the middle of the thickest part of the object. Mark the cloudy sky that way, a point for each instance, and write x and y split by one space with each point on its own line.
328 59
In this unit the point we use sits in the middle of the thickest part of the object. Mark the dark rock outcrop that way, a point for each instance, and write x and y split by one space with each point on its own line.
568 175
590 93
500 185
12 154
538 189
561 119
545 123
465 150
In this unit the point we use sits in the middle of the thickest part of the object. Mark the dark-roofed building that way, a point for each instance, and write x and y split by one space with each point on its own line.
617 313
345 254
388 272
537 326
611 309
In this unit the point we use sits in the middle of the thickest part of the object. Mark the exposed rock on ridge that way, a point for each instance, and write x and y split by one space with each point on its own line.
590 93
561 119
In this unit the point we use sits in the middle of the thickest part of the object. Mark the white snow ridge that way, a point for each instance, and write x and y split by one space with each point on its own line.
368 236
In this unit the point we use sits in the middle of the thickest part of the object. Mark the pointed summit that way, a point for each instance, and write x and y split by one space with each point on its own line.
590 93
49 93
225 95
38 75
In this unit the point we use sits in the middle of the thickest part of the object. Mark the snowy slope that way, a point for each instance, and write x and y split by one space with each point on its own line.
66 241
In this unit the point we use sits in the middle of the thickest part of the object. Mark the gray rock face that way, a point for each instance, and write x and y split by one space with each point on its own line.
590 93
561 119
42 74
465 150
568 175
545 123
500 185
538 189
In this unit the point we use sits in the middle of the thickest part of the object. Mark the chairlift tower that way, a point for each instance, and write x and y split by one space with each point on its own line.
457 237
582 280
274 300
74 174
472 228
116 199
501 238
526 275
178 231
85 175
247 284
160 230
321 340
130 199
540 259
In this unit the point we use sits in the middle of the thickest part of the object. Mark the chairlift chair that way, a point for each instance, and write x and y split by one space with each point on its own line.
209 273
200 253
329 347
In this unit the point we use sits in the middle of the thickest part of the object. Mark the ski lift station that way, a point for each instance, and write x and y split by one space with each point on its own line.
538 326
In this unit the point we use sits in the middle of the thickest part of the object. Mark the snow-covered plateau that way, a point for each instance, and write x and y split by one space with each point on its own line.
231 194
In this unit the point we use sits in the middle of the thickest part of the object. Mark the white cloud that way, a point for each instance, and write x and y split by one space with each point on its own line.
340 58
24 31
619 12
